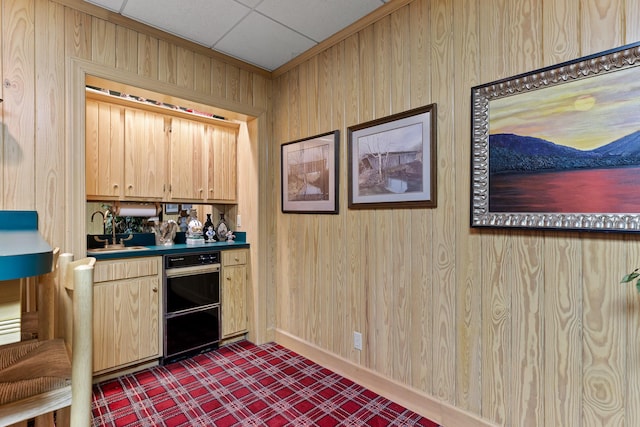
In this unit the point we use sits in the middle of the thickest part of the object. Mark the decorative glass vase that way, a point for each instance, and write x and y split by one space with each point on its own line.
222 229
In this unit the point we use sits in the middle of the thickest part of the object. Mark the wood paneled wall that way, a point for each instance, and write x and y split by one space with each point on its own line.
42 42
522 328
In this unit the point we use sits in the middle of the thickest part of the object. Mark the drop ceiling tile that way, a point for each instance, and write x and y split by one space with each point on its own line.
317 19
201 21
249 3
263 42
114 5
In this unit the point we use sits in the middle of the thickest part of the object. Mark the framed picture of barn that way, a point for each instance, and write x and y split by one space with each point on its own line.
392 161
309 174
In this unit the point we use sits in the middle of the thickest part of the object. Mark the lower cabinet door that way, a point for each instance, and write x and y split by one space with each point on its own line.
125 322
234 300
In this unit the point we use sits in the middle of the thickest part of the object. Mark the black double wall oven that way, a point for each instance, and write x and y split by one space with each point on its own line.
191 304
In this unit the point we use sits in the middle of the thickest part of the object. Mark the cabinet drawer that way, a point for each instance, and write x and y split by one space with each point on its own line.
236 257
118 269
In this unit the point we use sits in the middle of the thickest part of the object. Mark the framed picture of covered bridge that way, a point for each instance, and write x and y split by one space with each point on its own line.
392 161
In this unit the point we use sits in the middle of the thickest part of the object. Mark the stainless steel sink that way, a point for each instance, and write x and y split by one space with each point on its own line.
109 250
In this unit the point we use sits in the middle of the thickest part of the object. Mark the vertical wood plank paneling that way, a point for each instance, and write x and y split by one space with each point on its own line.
281 269
148 55
602 26
103 48
603 338
369 234
219 78
632 21
246 87
185 70
354 282
325 281
77 34
526 296
442 79
563 263
50 140
18 74
126 49
382 357
202 73
167 62
562 340
631 308
604 332
232 77
260 90
495 248
342 328
468 286
421 325
400 255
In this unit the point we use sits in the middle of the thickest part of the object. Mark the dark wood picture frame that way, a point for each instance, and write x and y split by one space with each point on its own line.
309 174
392 161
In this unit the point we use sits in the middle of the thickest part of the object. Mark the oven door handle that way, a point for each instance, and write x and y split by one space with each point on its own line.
191 271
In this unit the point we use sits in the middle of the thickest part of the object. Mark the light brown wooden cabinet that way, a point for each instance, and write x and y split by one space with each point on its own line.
143 152
146 140
234 292
187 172
126 321
222 164
104 152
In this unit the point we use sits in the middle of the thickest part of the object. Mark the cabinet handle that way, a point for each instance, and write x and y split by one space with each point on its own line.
115 185
237 259
154 289
228 278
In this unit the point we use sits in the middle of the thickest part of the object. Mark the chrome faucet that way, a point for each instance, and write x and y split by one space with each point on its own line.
104 220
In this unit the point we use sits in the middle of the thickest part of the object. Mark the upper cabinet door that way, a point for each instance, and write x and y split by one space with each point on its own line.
146 142
187 160
221 164
104 150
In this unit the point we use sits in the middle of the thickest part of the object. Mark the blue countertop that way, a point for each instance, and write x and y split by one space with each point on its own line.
23 251
159 250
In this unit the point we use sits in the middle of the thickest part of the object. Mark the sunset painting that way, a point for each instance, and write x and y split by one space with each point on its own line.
573 147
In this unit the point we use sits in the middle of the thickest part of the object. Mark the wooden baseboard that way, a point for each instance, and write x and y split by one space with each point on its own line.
441 412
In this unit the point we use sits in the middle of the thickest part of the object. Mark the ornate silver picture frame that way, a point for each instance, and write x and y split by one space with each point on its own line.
559 147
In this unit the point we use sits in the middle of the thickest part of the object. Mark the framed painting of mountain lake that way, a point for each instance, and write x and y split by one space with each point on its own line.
309 174
559 147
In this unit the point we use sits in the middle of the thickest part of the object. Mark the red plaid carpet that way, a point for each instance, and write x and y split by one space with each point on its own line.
247 385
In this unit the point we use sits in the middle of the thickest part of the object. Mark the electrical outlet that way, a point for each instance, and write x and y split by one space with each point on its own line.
238 222
357 340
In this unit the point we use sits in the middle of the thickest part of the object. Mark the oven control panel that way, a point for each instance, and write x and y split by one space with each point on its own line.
191 259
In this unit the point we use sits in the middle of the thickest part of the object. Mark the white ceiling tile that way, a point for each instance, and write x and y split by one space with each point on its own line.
317 19
249 3
263 42
114 5
201 21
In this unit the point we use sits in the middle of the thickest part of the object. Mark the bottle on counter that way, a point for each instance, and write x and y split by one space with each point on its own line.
209 234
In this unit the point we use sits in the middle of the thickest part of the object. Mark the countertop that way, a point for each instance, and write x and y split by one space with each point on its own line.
159 250
23 251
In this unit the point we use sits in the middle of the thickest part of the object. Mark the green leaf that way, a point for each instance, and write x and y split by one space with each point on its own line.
629 277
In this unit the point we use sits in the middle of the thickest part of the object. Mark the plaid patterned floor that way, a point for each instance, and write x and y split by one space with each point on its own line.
244 385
